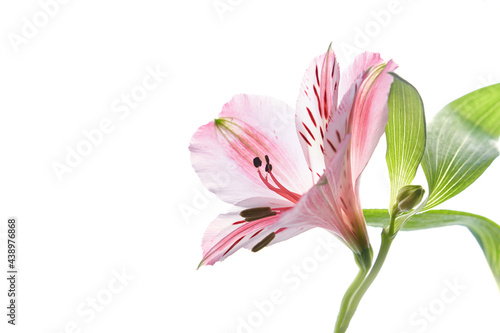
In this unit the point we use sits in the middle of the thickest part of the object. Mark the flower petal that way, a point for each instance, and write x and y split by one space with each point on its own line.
362 111
338 126
315 105
222 152
231 232
333 203
370 115
351 81
357 69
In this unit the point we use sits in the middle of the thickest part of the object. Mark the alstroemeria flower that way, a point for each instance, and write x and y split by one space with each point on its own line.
287 172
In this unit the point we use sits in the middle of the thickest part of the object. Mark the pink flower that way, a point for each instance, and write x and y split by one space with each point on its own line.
286 172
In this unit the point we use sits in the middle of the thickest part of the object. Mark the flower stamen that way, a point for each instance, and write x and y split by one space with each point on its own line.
277 187
258 213
264 242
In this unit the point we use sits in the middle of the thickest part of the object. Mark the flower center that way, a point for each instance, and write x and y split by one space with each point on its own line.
273 184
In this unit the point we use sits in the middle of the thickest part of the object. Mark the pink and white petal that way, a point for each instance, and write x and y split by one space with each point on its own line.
263 202
357 69
230 232
218 171
333 204
338 127
316 102
352 79
369 116
321 204
274 121
222 151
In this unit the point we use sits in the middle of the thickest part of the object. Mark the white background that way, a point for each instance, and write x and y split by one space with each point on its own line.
119 210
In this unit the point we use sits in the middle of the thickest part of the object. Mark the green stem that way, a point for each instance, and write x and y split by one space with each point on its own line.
351 291
358 295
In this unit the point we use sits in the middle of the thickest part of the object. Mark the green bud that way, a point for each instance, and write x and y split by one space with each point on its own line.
409 197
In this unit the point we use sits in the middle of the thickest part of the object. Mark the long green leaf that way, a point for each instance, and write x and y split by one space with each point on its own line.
461 143
486 232
405 134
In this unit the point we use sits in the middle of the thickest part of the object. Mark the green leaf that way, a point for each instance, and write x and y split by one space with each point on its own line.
405 134
461 143
486 232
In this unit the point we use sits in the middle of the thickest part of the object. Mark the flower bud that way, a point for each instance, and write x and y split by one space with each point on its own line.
408 197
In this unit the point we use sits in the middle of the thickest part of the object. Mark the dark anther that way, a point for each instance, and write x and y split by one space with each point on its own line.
257 162
269 167
263 243
254 214
267 159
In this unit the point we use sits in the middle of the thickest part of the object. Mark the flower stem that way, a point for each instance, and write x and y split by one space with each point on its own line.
346 301
366 283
